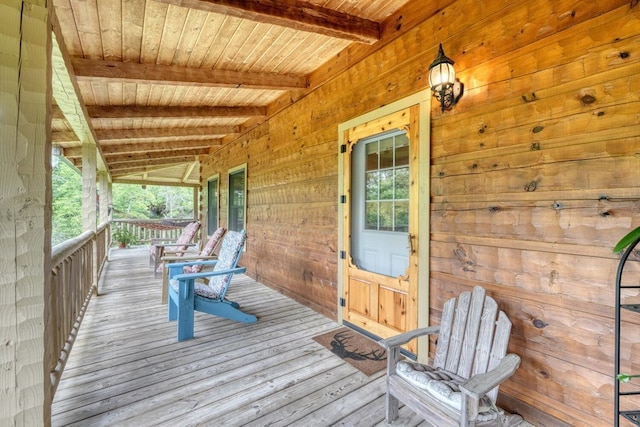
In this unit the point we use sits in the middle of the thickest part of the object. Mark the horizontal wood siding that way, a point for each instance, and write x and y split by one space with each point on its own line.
534 178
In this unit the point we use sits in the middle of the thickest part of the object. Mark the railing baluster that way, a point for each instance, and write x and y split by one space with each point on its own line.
73 280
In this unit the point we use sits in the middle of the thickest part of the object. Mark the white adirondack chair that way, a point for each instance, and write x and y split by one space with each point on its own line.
460 387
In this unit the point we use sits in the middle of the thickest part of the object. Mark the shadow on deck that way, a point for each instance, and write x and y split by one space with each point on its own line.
127 369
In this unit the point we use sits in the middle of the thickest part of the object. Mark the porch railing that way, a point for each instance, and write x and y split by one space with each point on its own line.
147 229
76 265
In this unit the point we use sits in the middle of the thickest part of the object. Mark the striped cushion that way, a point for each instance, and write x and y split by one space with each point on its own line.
443 386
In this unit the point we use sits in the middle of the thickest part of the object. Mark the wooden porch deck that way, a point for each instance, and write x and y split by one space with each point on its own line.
127 369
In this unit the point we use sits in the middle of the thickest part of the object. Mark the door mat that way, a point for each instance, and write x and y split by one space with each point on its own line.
354 348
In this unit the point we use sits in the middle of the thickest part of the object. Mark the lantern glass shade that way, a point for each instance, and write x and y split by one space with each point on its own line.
442 74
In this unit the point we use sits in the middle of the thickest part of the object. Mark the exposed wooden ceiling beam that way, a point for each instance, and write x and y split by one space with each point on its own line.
147 147
64 136
147 165
128 134
188 170
115 159
56 113
90 69
111 112
113 148
299 15
129 178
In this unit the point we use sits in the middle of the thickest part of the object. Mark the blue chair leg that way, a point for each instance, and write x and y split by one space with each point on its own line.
185 310
173 307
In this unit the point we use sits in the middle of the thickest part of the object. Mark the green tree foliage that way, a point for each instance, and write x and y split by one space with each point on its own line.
67 203
132 201
129 202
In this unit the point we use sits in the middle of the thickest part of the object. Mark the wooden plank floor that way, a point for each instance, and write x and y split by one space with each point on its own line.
127 369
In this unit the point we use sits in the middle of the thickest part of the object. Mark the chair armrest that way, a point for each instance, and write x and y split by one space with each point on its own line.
155 241
174 265
193 257
169 245
404 338
480 384
202 275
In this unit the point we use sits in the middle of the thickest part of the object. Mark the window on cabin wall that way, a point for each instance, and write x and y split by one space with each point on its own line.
213 198
237 198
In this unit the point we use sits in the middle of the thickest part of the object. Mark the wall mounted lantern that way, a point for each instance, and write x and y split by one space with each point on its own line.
442 79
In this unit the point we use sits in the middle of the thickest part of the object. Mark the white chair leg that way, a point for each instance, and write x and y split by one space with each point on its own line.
392 408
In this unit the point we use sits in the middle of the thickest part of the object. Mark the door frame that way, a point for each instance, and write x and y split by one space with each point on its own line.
423 101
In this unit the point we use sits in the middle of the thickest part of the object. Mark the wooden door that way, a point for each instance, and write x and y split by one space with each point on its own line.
379 296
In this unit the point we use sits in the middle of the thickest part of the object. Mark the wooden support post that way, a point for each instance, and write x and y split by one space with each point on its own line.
89 199
105 196
25 202
196 204
89 187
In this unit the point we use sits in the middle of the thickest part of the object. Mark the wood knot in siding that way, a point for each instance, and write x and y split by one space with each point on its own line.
467 264
540 324
307 276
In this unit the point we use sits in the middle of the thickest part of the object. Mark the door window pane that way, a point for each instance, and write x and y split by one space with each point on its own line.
386 153
371 192
386 216
402 150
371 209
387 183
402 183
401 218
372 158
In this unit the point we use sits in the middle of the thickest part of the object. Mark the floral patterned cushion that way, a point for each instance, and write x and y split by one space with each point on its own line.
206 251
188 233
187 236
228 257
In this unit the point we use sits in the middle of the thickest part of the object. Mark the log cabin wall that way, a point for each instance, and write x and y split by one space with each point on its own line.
534 178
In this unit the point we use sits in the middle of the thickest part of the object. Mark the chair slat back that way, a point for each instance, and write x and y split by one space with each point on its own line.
499 347
446 323
457 332
471 341
485 336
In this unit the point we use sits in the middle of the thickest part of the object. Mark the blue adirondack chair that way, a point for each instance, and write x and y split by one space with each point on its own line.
186 295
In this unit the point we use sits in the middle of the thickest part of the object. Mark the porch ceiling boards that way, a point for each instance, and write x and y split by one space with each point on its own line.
127 368
165 81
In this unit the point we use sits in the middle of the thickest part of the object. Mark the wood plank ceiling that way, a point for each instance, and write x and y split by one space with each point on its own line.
162 82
